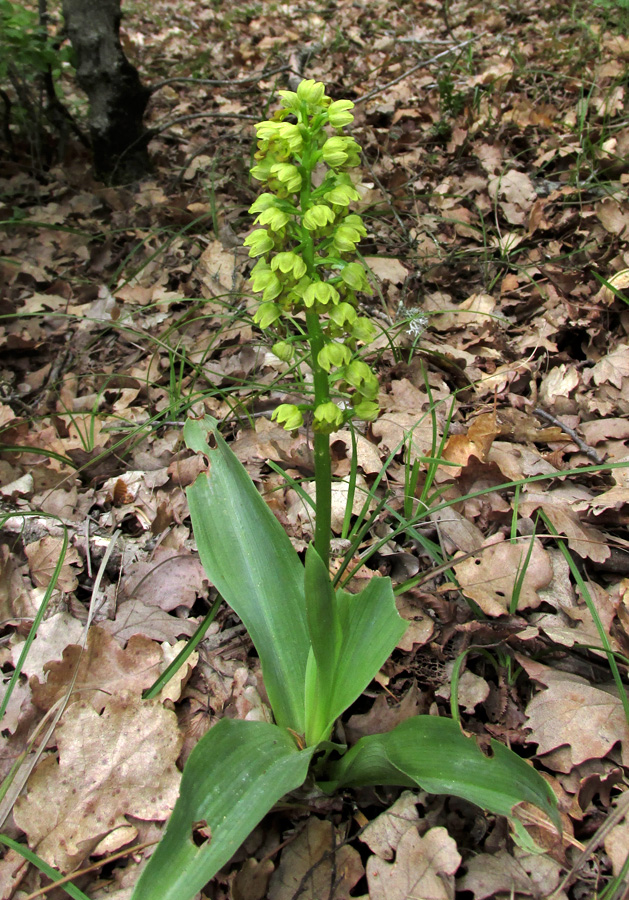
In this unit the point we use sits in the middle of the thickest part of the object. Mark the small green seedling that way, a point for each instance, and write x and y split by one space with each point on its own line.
319 647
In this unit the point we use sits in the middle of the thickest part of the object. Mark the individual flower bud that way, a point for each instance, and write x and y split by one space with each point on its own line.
364 330
266 130
342 195
322 293
311 92
343 314
360 376
366 410
356 222
290 100
264 279
289 262
288 415
318 217
259 241
266 314
355 277
327 418
264 201
283 350
274 218
333 151
345 239
338 115
288 175
292 135
334 354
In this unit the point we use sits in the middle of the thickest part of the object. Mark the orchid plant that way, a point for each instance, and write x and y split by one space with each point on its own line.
319 647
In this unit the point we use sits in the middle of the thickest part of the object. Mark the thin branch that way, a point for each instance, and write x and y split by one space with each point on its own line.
420 65
157 129
219 82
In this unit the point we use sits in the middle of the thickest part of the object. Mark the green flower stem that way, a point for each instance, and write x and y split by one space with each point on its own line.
322 461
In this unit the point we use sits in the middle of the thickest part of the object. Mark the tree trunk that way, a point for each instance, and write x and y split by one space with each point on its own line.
117 97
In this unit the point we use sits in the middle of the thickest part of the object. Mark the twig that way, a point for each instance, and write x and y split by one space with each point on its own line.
218 82
420 65
157 129
589 451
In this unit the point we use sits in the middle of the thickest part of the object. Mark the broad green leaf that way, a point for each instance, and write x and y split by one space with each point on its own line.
324 629
434 754
370 629
233 777
251 562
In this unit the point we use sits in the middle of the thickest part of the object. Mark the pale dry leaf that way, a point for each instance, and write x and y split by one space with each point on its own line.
172 578
473 689
119 763
617 845
17 598
382 717
387 269
217 268
613 367
383 835
313 868
43 556
584 539
104 668
424 868
490 578
558 384
516 187
135 617
501 874
53 636
589 719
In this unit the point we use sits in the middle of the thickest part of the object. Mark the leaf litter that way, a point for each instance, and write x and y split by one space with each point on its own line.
498 226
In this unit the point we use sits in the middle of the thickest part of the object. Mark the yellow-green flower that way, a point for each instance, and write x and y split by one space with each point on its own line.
310 91
366 410
327 418
360 376
288 175
318 217
267 314
334 354
322 293
274 218
259 241
288 415
338 115
289 262
355 277
283 350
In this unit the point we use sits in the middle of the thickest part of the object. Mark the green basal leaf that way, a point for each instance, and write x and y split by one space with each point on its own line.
370 628
234 776
251 562
434 754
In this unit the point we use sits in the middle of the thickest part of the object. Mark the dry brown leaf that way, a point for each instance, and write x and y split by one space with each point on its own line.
501 874
135 617
43 556
104 668
119 763
584 539
172 578
613 367
383 834
312 866
424 868
490 578
589 719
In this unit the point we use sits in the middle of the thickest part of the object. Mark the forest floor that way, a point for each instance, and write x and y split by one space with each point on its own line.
495 140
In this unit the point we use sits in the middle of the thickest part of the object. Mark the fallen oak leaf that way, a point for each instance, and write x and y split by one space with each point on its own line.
113 765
